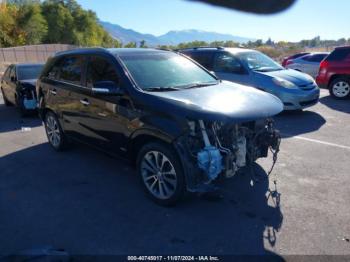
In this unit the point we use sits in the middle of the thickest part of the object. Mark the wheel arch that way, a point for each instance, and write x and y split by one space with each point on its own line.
142 137
335 76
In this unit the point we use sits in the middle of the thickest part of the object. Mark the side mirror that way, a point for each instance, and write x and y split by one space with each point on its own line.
107 88
13 79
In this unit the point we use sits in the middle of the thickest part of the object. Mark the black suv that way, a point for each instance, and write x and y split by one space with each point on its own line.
182 126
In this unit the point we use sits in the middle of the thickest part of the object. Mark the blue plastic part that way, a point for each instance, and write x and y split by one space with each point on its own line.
210 161
29 103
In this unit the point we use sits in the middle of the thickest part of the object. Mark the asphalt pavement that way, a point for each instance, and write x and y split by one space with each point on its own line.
87 202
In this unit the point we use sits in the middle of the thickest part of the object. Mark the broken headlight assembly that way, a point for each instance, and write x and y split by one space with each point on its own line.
221 149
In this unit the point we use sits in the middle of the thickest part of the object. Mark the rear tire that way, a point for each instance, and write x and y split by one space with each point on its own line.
6 102
54 132
340 88
161 173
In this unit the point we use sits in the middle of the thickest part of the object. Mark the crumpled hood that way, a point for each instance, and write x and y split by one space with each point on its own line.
223 102
290 75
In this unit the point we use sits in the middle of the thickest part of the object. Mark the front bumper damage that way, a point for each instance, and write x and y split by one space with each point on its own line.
212 151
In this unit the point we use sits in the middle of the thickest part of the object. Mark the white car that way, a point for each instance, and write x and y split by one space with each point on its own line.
308 64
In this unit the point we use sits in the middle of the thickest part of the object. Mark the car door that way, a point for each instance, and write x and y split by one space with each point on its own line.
68 92
5 81
228 67
315 64
105 117
11 85
307 64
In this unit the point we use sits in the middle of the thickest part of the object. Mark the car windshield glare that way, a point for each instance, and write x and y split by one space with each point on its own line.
257 61
29 72
155 71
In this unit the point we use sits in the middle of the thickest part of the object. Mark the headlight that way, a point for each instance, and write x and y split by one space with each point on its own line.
284 83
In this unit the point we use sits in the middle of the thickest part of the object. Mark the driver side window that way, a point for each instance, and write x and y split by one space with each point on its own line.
100 70
227 63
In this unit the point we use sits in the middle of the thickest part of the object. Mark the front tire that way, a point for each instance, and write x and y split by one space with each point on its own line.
340 88
54 132
161 173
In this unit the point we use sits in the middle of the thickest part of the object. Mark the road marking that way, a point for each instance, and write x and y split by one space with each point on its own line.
319 142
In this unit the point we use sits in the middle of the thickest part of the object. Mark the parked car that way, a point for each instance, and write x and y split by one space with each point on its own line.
252 68
182 126
18 86
308 64
334 73
289 58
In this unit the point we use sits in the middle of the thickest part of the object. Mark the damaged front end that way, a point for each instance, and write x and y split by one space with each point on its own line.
213 149
28 96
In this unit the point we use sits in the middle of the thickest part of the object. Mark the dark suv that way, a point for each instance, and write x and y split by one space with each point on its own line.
334 73
181 126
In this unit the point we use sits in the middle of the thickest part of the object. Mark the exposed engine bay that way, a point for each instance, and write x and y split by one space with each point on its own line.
221 149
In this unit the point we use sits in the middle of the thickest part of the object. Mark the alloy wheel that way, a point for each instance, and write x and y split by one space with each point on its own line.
341 89
53 131
158 174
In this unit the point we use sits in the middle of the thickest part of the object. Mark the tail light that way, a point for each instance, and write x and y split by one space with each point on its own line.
323 67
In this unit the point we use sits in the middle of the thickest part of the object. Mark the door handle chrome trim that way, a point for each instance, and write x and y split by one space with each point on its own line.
53 92
85 102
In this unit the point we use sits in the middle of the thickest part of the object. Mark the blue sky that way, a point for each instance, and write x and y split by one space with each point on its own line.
329 19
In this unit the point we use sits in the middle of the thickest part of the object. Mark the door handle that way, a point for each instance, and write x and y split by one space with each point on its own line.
85 102
54 92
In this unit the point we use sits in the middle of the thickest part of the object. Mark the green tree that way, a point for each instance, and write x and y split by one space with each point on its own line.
130 45
143 44
32 22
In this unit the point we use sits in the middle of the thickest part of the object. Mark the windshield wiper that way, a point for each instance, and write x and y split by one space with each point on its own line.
161 88
267 69
196 85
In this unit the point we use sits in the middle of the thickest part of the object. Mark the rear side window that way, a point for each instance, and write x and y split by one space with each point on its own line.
71 69
339 55
227 63
314 58
203 58
100 69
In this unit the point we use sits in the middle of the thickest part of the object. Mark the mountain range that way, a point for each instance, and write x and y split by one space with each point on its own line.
171 38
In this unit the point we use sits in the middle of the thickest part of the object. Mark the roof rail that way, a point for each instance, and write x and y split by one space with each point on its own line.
78 50
201 47
217 47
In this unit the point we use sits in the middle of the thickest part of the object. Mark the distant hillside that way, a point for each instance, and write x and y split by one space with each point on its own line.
183 36
128 35
170 38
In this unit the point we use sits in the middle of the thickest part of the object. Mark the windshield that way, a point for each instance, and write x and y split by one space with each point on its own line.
257 61
29 72
164 70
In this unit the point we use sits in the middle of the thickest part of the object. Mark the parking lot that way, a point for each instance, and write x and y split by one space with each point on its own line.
89 203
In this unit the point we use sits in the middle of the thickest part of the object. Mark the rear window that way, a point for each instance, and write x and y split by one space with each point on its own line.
339 55
298 55
314 58
203 58
29 72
